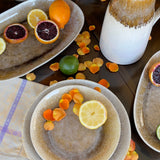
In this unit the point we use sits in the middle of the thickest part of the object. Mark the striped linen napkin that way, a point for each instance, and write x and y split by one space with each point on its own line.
16 97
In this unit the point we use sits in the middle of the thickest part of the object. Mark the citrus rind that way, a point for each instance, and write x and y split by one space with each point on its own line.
151 74
158 132
14 30
2 45
35 16
37 31
92 114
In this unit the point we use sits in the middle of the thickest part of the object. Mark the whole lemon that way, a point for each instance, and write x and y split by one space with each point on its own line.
59 12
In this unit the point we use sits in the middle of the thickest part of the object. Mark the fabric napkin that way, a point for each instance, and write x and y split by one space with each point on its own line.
16 97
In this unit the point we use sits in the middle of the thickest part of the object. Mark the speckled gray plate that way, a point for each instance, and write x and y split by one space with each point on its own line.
19 59
70 140
125 136
147 107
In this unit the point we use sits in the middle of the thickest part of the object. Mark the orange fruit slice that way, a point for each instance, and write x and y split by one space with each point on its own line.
92 114
35 16
46 32
15 33
2 45
59 12
154 74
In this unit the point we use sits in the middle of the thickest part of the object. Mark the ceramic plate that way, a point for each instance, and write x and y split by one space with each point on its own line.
70 140
146 107
19 59
125 136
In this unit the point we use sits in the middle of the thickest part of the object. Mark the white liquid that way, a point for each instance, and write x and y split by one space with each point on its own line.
121 44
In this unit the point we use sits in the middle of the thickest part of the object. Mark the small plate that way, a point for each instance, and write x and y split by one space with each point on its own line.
70 140
147 107
19 59
125 137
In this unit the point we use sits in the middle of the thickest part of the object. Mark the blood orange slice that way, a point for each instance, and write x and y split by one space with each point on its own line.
47 32
154 74
15 33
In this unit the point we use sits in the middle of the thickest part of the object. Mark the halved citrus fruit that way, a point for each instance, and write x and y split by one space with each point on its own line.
92 114
46 32
59 12
2 45
154 74
35 16
158 132
15 33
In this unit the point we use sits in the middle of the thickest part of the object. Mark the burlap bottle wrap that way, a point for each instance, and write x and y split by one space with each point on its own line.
132 13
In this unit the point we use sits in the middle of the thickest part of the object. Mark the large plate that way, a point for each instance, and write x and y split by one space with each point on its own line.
70 139
19 59
125 136
147 107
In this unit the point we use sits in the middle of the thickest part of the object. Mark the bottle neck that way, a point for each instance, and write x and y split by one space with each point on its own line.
132 13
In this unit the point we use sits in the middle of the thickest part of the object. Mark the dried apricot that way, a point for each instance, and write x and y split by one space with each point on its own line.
31 76
58 114
80 76
86 34
48 115
113 67
78 98
104 83
81 44
52 82
107 64
76 108
73 91
76 55
81 67
85 50
97 89
94 68
98 61
54 66
92 27
69 78
67 96
80 52
64 103
88 63
48 126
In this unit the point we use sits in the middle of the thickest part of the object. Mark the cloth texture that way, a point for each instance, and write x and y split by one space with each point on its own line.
17 95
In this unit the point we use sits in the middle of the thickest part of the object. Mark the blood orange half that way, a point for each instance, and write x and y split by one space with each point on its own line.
154 74
46 32
15 33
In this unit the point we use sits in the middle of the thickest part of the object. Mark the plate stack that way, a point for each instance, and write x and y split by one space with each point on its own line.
69 139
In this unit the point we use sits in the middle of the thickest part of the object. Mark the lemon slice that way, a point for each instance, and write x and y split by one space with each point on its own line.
92 114
158 132
2 45
35 16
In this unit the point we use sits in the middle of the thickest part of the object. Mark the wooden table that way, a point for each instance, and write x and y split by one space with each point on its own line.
123 83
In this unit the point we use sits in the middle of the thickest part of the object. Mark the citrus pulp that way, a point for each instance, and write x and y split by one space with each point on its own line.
15 33
46 32
35 16
2 45
92 114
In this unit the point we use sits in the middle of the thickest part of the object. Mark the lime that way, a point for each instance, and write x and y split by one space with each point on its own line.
158 132
69 65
